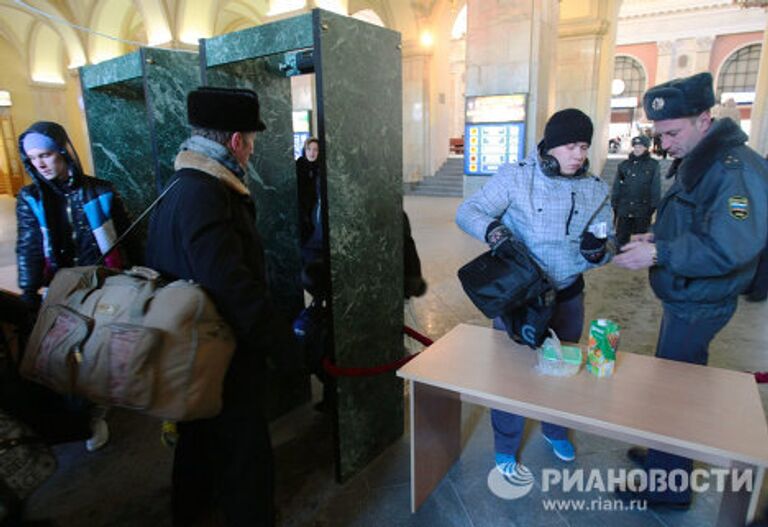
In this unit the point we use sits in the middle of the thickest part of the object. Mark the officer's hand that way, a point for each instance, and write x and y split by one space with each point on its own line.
497 234
592 248
645 237
636 255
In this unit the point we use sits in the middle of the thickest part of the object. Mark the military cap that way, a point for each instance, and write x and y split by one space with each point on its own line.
679 98
225 109
642 140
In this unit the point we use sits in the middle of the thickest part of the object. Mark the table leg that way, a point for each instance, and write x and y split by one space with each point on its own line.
435 438
738 506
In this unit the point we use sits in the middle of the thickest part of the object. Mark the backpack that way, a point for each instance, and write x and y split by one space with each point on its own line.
122 339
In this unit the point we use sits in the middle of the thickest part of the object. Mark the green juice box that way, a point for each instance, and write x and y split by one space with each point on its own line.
603 342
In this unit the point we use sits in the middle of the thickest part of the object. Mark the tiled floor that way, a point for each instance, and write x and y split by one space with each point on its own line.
126 483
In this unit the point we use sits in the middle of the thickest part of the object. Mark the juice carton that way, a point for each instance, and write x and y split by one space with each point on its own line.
603 342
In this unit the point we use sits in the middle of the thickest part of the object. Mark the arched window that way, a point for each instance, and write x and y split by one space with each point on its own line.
631 73
739 71
370 16
459 29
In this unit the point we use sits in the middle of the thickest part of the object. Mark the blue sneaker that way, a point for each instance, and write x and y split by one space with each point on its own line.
562 448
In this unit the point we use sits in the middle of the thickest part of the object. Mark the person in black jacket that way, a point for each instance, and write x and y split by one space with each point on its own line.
636 190
314 268
64 217
204 230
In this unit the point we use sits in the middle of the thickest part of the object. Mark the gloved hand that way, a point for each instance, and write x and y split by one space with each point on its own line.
592 248
496 234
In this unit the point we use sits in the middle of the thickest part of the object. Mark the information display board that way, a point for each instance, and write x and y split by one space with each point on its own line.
488 146
494 133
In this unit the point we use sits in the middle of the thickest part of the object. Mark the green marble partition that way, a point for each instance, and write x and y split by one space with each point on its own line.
358 70
268 39
135 107
271 178
359 88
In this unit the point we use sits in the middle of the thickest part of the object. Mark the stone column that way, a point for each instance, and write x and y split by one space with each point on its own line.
664 61
758 136
511 46
416 147
585 55
703 53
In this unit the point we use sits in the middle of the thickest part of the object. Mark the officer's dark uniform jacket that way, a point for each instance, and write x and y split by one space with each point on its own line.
711 225
637 187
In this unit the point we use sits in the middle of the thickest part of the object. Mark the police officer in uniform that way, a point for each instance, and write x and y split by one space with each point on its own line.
710 229
636 190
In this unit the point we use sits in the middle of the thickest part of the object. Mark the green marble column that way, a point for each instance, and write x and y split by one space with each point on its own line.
271 175
135 107
359 109
358 68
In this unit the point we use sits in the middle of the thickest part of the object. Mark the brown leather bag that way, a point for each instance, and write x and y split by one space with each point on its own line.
119 339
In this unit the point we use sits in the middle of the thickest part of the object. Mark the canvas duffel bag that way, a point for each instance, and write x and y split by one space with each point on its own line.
120 339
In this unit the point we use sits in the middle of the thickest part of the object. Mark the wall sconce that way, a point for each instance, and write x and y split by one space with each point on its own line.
5 99
426 39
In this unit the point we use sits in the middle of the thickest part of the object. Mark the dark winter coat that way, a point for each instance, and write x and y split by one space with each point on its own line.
637 187
413 280
711 225
308 184
204 230
64 223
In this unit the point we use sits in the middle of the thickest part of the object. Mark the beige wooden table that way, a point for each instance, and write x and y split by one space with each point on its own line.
708 414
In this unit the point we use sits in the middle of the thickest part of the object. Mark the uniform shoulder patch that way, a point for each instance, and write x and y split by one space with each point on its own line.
738 207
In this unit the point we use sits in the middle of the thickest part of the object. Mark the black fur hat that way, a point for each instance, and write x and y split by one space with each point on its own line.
679 98
226 109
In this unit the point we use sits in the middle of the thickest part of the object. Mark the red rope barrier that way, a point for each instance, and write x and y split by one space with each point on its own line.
340 371
418 337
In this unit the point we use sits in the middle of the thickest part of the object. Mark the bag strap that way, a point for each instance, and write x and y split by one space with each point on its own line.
137 221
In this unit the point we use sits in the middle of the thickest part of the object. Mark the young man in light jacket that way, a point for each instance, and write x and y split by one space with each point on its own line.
561 212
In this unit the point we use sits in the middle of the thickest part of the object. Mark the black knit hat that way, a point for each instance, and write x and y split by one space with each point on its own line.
225 109
567 126
679 98
642 140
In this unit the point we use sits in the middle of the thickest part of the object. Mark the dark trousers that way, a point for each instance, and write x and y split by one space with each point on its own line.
626 226
684 341
568 323
223 472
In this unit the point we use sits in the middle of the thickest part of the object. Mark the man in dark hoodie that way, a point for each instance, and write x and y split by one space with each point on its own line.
710 229
636 190
64 219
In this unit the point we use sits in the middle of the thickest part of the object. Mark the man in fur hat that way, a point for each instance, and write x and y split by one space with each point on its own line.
204 230
710 228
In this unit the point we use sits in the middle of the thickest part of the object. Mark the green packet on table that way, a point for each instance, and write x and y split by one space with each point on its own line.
603 343
558 360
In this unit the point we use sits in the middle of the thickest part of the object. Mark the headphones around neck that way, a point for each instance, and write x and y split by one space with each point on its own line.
551 166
